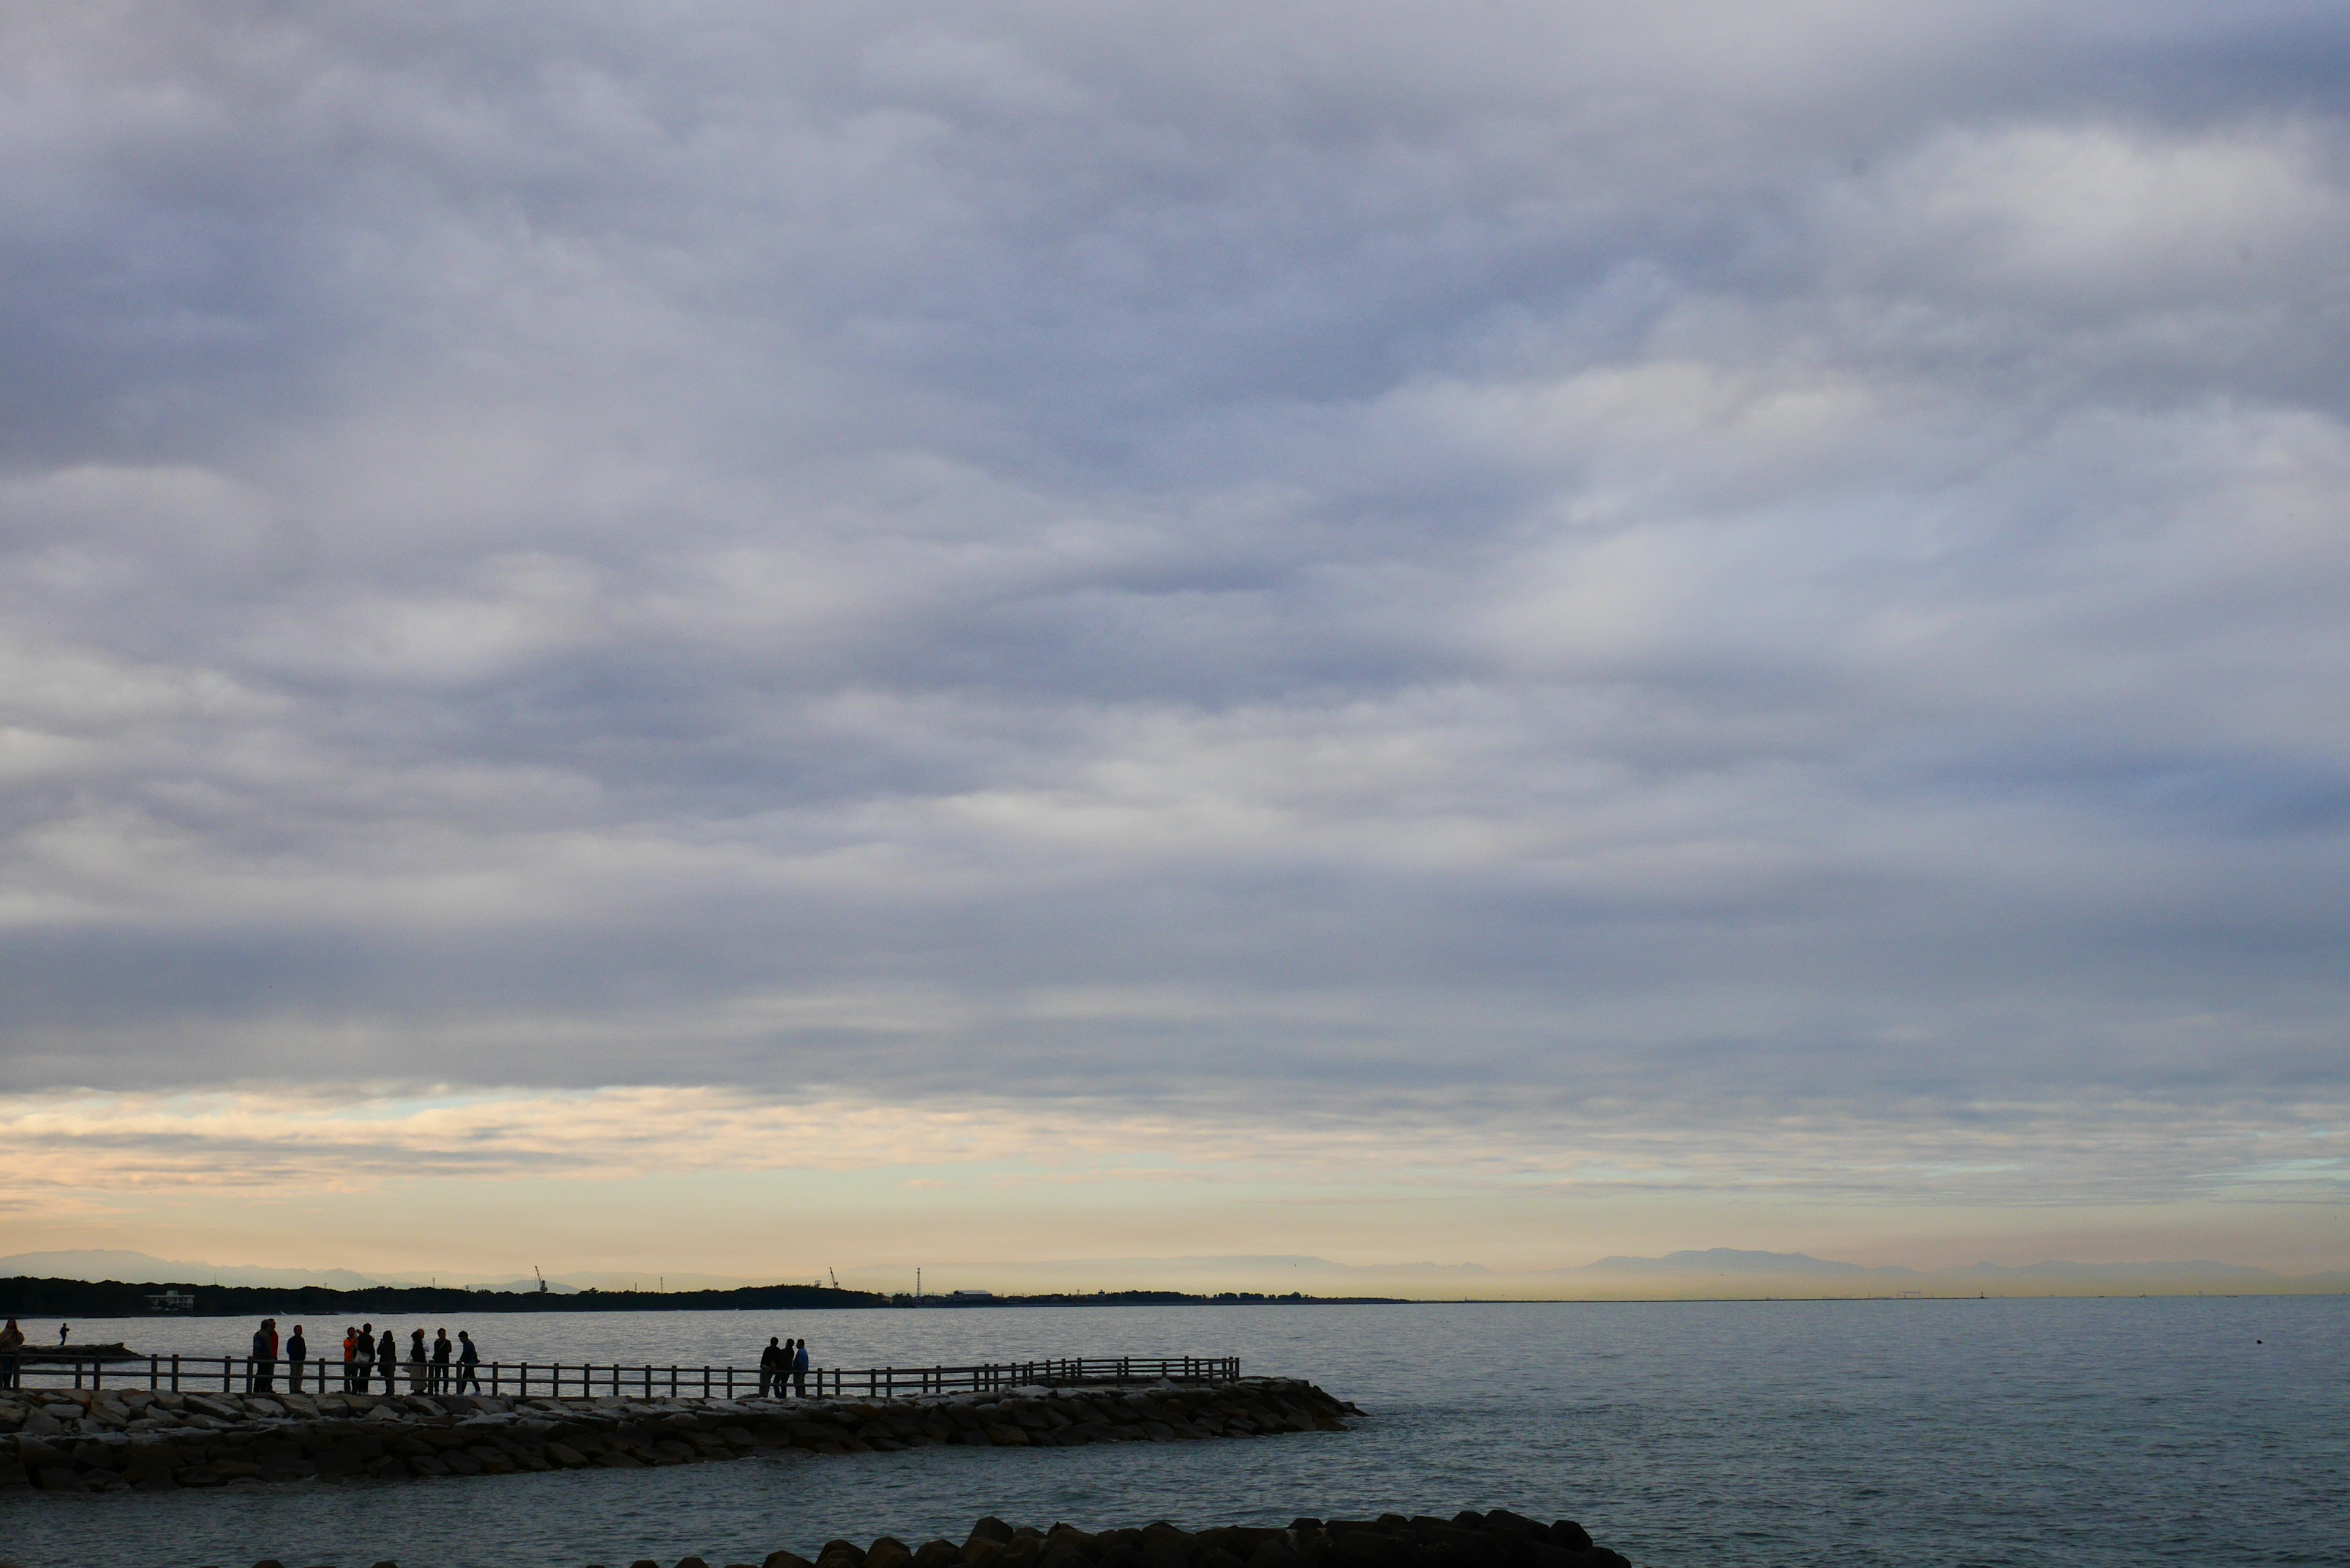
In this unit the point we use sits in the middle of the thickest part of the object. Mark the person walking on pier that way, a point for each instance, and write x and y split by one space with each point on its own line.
297 1355
261 1374
441 1351
771 1368
12 1343
468 1357
387 1360
800 1369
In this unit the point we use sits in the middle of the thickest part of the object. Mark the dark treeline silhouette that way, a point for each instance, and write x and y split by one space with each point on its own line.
112 1298
24 1296
1148 1298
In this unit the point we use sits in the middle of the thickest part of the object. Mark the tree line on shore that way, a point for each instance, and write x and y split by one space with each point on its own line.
31 1297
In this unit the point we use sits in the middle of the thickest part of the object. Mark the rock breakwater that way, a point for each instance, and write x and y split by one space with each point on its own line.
1500 1539
87 1440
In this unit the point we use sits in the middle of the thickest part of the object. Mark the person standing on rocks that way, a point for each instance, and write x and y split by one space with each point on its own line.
387 1360
363 1359
441 1351
800 1369
261 1372
771 1368
420 1362
469 1356
351 1351
12 1341
297 1355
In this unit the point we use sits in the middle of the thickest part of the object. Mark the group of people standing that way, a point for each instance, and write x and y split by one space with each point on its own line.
443 1366
784 1369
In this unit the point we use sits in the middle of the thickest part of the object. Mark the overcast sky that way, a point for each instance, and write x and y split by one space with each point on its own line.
1703 600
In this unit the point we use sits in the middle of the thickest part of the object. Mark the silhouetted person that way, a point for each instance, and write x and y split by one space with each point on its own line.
297 1354
261 1372
771 1368
441 1351
800 1369
387 1360
469 1356
363 1359
12 1343
420 1362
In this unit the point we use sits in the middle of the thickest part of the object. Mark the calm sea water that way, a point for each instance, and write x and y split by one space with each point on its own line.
2212 1431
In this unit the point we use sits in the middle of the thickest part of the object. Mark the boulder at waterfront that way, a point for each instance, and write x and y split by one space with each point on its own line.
109 1440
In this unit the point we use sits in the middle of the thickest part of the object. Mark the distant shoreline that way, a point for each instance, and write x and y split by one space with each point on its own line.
24 1296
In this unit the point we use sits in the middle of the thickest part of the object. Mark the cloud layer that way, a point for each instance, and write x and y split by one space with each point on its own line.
1393 562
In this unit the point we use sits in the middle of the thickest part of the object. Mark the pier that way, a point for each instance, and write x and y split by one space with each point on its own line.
135 1438
105 1365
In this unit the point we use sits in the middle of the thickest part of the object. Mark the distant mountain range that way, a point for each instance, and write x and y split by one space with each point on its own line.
1711 1272
1728 1265
1730 1261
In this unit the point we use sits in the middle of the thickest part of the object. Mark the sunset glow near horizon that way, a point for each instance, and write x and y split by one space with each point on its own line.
706 640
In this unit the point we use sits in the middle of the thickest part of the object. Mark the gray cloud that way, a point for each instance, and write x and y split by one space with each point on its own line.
1714 568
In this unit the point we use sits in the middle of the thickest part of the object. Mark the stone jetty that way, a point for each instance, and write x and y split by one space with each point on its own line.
1497 1540
84 1441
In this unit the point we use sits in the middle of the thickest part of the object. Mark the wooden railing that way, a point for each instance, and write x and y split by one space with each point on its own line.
242 1374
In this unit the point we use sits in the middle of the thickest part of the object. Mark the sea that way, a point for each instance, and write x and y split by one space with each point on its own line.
2074 1432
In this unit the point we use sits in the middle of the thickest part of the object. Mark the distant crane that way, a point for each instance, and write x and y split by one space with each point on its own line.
542 1279
835 1278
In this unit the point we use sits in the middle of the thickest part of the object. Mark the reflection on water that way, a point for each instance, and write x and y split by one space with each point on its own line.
2074 1432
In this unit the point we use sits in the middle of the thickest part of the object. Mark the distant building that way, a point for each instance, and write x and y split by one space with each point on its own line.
971 1295
171 1301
